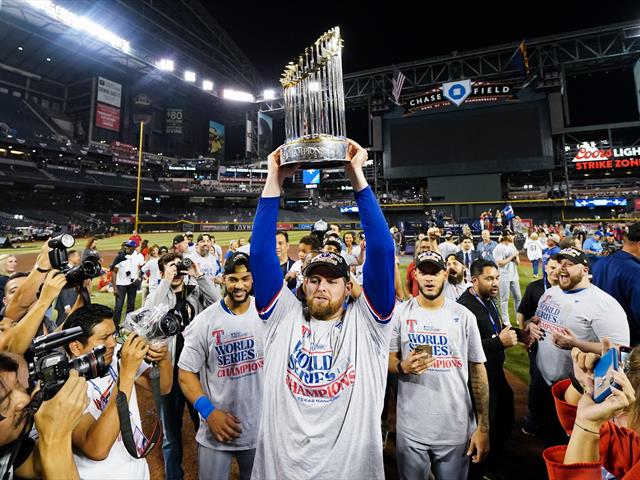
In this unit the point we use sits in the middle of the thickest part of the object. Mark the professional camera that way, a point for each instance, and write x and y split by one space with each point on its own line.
184 266
153 324
58 256
609 248
52 366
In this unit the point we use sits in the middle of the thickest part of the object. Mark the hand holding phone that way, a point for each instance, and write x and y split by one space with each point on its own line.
424 349
603 375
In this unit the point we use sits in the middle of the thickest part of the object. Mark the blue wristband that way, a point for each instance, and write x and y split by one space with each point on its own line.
204 406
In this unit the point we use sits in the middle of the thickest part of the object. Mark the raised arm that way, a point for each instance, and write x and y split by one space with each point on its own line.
379 269
95 437
27 294
18 338
265 266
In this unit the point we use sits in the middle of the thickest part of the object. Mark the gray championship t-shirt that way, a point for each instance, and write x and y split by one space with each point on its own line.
227 351
323 394
590 314
435 408
502 252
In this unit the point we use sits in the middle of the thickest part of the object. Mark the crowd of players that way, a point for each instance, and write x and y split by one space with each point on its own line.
287 365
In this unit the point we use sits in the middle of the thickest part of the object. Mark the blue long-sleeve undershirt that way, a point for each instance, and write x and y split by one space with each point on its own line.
378 273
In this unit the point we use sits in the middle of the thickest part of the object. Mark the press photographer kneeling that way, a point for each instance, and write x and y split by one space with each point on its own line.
100 451
187 292
49 456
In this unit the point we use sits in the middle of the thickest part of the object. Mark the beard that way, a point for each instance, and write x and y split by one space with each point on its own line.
234 301
572 281
435 295
455 278
324 310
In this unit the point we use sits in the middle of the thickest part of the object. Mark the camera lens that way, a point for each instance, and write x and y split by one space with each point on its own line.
187 262
92 364
91 268
171 324
62 241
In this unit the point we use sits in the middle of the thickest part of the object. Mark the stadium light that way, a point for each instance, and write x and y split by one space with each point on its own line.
165 65
63 15
48 59
269 94
207 85
189 76
230 94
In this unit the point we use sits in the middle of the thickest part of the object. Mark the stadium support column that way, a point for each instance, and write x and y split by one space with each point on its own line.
92 112
566 168
139 175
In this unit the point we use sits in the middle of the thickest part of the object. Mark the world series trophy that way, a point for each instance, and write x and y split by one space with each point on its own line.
314 105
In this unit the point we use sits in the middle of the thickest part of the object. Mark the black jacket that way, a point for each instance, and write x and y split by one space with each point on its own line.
491 343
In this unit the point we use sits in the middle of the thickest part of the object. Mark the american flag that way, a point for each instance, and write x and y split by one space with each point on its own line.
398 82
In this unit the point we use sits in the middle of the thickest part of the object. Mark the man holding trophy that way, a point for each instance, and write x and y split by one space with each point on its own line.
325 356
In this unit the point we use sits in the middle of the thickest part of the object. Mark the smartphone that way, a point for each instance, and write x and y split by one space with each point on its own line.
603 375
625 358
424 349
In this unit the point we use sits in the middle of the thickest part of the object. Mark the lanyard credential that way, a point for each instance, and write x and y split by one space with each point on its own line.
493 321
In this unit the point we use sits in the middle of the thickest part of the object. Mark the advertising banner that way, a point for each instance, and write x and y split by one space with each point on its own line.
454 94
109 92
214 227
107 117
590 157
174 121
216 140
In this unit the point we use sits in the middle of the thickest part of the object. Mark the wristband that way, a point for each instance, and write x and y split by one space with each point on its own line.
42 270
576 384
204 406
399 368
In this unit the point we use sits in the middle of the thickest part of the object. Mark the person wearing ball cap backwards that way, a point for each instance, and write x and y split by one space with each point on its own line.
325 358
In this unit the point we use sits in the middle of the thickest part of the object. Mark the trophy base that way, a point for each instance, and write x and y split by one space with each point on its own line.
318 152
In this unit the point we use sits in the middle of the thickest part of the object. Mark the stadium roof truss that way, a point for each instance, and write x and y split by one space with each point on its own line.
182 28
549 59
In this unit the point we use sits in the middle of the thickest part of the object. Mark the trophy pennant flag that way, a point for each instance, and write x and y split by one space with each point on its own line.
314 105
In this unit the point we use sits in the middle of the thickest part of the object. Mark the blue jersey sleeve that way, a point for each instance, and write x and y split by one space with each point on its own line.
378 270
265 266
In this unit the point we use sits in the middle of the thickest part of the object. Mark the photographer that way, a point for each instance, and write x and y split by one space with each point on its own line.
126 269
100 450
68 296
188 292
50 456
18 338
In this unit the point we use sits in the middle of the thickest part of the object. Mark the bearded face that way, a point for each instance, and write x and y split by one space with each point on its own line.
325 295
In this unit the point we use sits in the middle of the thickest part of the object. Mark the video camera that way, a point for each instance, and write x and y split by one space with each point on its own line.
154 324
52 366
59 258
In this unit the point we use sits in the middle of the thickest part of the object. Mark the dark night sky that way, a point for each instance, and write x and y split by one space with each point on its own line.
271 34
